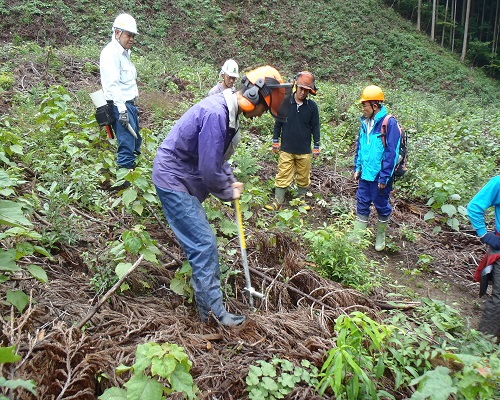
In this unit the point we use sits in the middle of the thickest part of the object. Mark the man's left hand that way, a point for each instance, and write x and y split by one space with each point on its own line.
316 152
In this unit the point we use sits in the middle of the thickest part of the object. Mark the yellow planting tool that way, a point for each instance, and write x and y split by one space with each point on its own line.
249 289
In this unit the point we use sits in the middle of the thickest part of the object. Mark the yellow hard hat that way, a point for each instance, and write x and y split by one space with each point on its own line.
372 93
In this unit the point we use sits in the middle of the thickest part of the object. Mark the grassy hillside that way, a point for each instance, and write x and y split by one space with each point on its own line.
340 41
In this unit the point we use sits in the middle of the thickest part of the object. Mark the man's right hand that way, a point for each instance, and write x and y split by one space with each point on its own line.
237 189
276 147
491 239
356 175
123 119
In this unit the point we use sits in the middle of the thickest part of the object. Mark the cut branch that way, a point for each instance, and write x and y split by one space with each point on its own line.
93 310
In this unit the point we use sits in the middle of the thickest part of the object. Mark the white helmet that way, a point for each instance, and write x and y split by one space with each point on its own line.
230 68
125 22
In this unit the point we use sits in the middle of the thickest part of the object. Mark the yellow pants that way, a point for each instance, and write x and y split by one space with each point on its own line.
293 165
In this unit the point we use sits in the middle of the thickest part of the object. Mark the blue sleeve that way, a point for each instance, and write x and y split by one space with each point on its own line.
357 160
391 152
488 196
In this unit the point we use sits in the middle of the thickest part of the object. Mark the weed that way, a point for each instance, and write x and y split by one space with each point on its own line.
158 368
277 378
338 260
8 356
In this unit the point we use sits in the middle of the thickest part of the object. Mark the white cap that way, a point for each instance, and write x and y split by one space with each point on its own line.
230 68
125 22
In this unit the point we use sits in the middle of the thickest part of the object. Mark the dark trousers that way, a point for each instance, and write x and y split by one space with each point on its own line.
490 319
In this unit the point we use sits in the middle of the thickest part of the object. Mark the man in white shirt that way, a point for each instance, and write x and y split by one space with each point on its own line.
118 80
229 74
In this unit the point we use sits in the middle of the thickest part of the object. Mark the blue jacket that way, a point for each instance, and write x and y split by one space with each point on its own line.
191 158
375 162
488 196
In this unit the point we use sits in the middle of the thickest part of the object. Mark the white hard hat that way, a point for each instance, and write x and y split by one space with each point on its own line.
125 22
230 68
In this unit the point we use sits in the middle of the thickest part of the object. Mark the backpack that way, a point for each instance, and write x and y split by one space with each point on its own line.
400 168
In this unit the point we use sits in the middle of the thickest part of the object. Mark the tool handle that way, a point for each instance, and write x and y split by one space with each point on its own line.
239 221
109 132
241 236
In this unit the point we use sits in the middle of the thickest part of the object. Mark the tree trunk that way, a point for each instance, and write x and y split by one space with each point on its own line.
433 23
444 24
454 19
419 11
495 30
482 22
466 31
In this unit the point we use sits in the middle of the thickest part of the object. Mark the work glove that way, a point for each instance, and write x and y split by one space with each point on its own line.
316 152
491 239
276 146
123 119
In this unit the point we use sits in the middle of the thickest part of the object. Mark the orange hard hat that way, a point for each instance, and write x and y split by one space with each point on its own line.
266 82
306 80
372 93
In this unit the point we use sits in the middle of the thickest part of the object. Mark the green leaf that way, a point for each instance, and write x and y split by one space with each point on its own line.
138 207
182 381
228 227
429 215
18 299
24 249
149 197
449 209
8 355
269 384
252 378
132 243
11 214
453 223
7 261
434 385
16 148
19 383
124 287
129 196
122 368
122 268
114 393
268 369
38 273
149 255
163 367
140 387
42 251
288 381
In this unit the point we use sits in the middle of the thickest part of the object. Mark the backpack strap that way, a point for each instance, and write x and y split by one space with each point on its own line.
384 129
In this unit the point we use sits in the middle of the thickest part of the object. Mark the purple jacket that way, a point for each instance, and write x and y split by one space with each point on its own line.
191 158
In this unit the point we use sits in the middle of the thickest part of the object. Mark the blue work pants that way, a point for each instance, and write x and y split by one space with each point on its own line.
188 220
368 193
128 146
